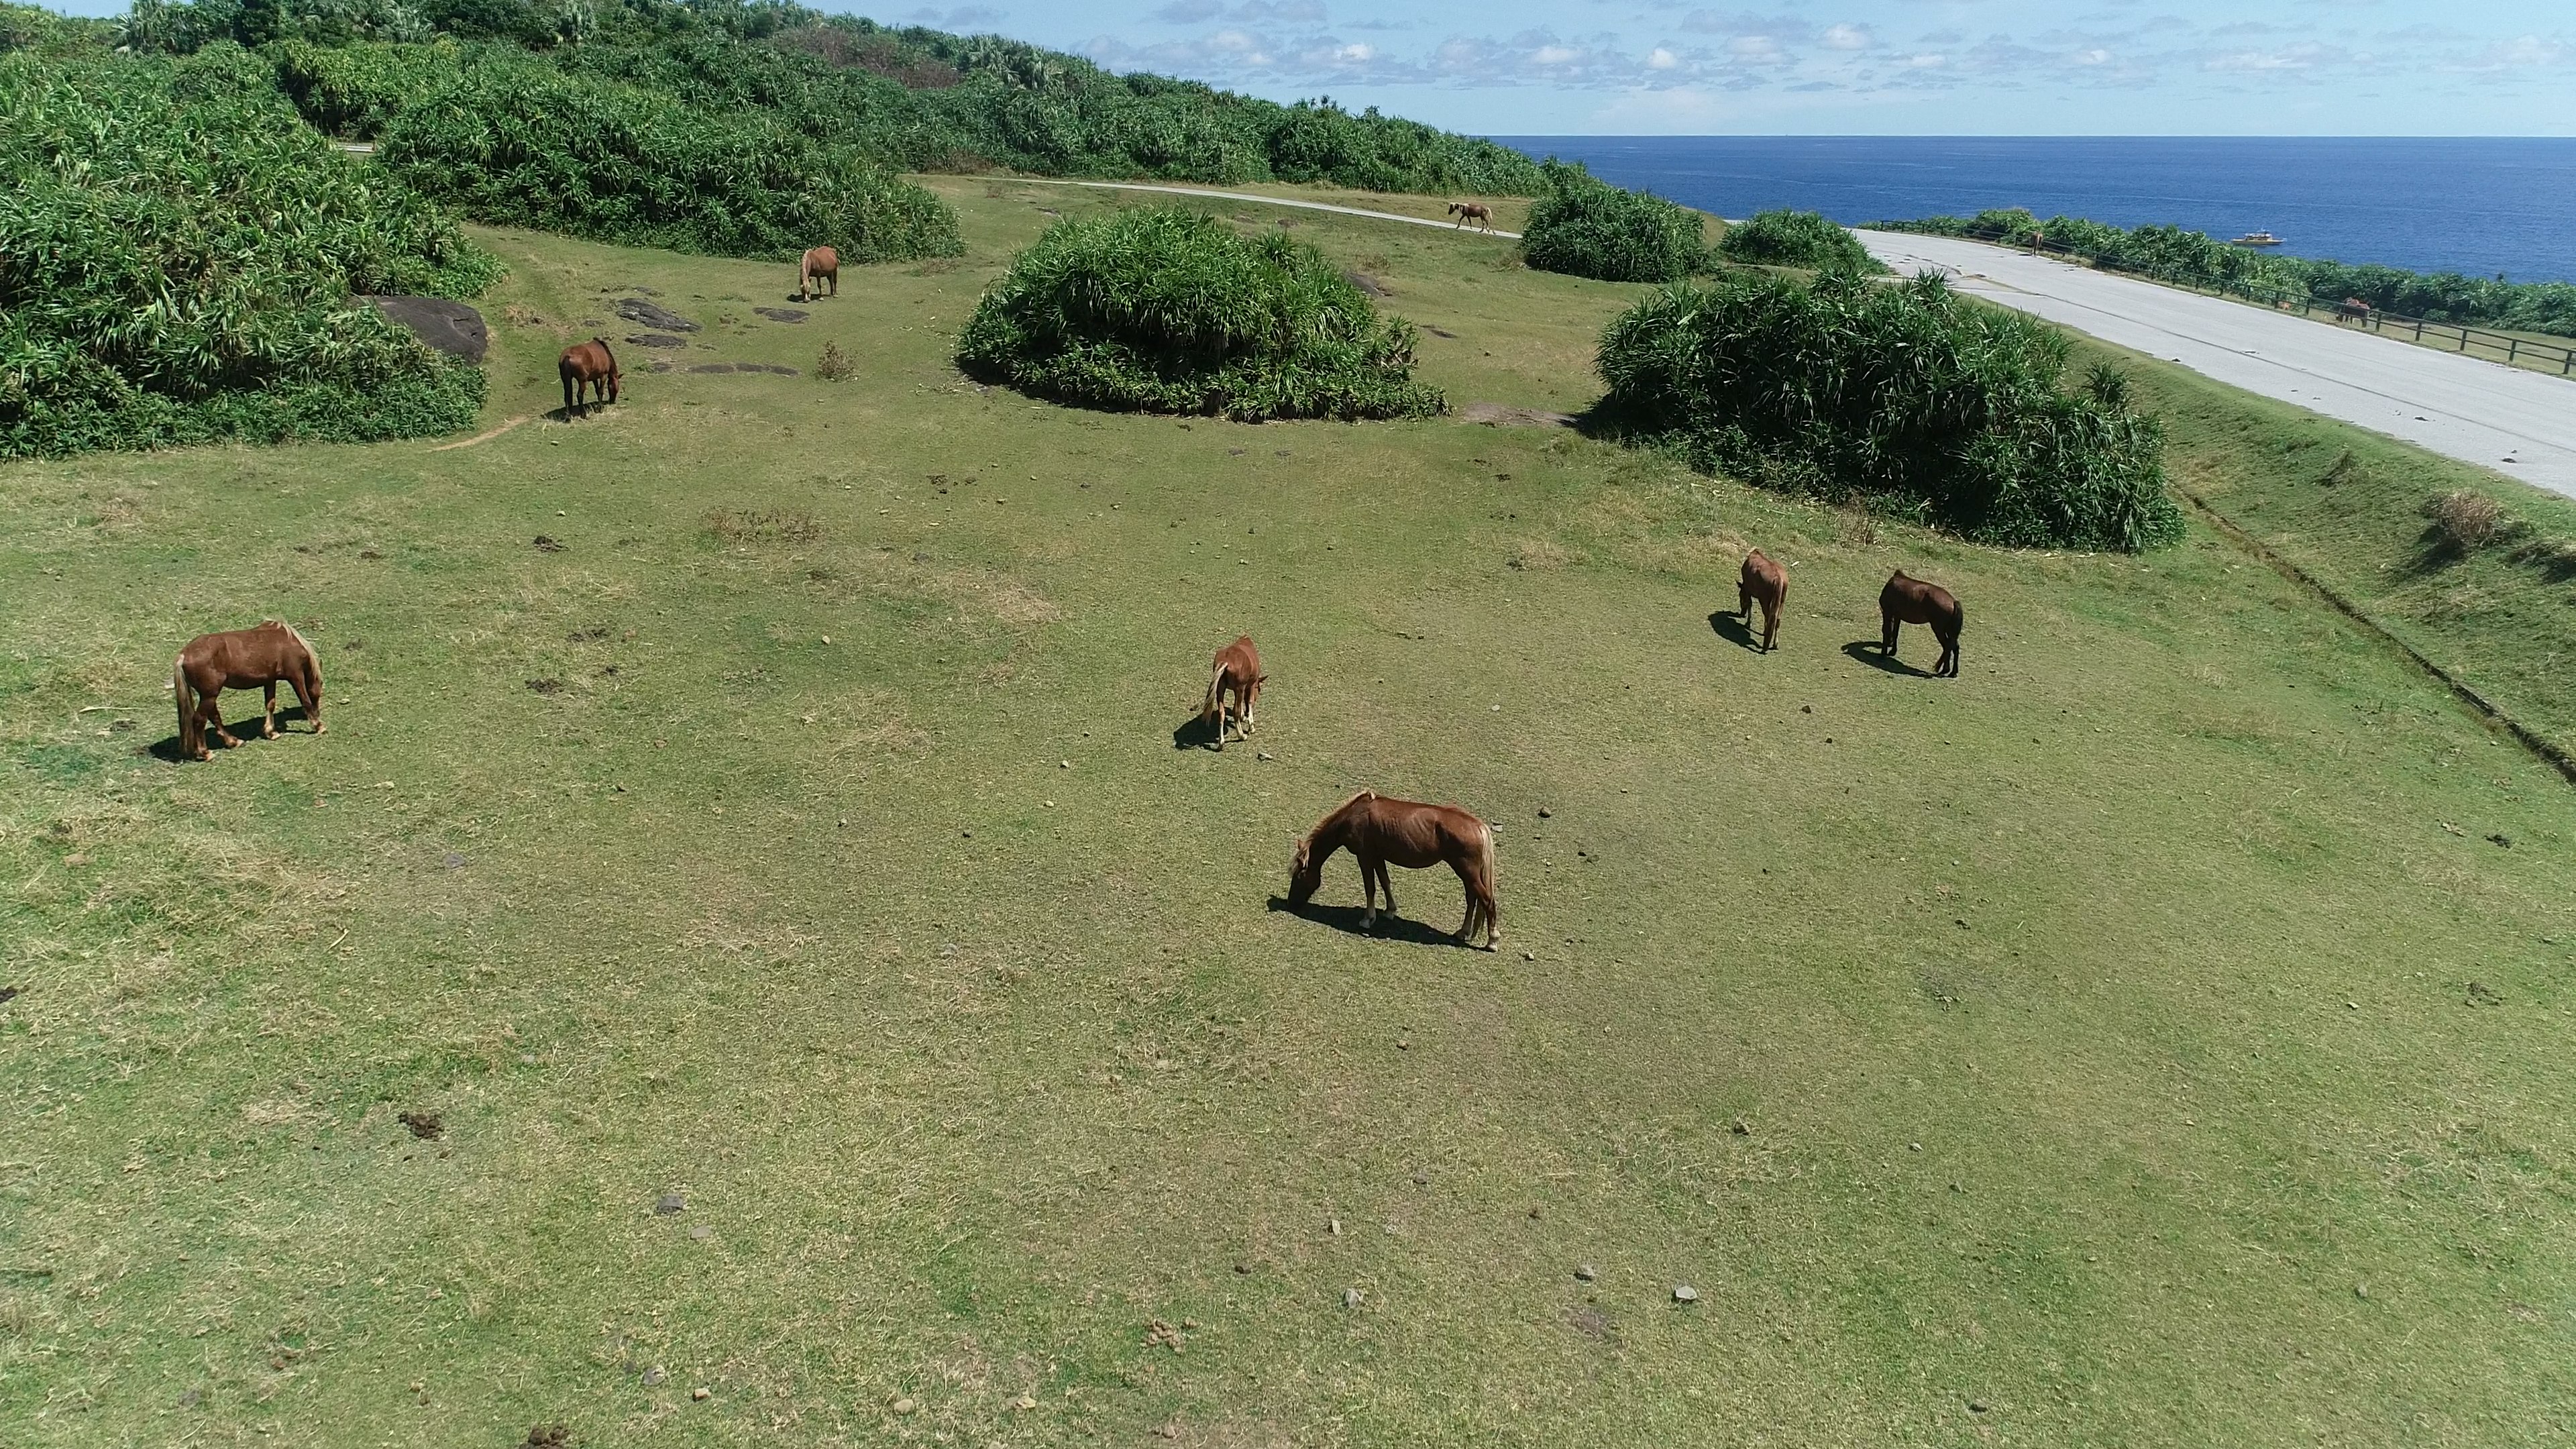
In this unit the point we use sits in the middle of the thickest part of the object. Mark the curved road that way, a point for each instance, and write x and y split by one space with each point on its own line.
2512 420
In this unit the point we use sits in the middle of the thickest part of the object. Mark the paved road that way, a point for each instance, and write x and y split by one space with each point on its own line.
2517 422
1250 196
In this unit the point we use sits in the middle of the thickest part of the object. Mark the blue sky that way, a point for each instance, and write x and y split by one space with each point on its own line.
2096 67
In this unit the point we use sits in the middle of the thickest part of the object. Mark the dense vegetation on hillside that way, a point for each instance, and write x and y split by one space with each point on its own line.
176 262
1586 227
1920 401
2192 258
530 145
1166 310
1796 239
910 98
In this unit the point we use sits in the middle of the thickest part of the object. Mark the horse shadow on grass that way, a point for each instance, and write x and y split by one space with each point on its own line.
1735 630
166 748
1868 652
1198 732
1390 927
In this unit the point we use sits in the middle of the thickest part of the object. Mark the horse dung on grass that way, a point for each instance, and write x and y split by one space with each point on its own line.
821 264
1766 583
1406 833
585 366
213 663
1237 670
1912 601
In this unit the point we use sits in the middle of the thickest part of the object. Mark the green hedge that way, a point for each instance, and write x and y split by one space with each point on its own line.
1164 310
523 143
1796 239
1587 228
176 262
1926 403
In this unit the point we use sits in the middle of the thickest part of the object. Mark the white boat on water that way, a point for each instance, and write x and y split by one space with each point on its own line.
2257 239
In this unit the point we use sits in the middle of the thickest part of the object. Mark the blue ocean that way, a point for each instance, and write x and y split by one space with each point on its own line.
2478 205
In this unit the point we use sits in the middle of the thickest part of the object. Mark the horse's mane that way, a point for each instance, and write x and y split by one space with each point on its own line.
290 631
1345 807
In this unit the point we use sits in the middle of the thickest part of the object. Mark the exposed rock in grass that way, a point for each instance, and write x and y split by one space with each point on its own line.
656 339
635 309
670 1204
449 327
782 314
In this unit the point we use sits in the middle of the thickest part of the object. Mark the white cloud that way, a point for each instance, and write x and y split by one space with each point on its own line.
1849 37
1661 59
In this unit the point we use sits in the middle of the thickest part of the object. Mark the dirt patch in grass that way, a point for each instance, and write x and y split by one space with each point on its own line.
743 526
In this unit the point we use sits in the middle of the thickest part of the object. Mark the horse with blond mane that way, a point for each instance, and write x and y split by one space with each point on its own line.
1382 831
213 663
1236 671
819 264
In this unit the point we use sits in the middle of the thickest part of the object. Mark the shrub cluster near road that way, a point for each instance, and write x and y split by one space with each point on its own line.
1585 227
177 258
2191 258
1796 239
1928 404
1166 310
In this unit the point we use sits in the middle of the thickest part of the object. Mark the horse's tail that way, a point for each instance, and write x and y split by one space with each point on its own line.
1485 855
1216 684
186 701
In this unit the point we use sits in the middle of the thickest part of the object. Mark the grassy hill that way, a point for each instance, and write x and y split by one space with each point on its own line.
768 792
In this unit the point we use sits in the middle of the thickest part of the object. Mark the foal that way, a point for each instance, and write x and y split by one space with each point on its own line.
1413 835
1237 668
1767 583
821 264
1912 601
213 663
584 366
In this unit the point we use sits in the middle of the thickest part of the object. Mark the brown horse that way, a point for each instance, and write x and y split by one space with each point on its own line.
1912 601
819 264
1413 835
1767 583
2352 309
1237 669
1475 211
213 663
585 366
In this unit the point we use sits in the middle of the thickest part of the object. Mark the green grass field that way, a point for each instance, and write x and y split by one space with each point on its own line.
2143 1039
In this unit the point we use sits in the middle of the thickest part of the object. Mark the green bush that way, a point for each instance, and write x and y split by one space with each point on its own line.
1927 403
354 90
1588 228
176 262
1796 239
526 144
1169 311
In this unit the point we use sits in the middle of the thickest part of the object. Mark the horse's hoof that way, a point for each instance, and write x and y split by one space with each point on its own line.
319 727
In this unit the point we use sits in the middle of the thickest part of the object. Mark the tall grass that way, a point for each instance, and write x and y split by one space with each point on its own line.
1586 227
1796 239
1164 310
1930 405
516 141
177 257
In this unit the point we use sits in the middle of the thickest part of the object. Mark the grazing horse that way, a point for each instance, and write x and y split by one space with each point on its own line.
1237 669
1379 830
2352 309
819 264
213 663
1768 583
1475 211
585 366
1912 601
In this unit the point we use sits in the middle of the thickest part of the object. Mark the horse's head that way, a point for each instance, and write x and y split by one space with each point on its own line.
1304 873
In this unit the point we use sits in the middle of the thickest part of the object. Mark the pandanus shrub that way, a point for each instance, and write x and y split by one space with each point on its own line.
525 144
1163 310
1585 227
1928 404
1796 239
177 258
